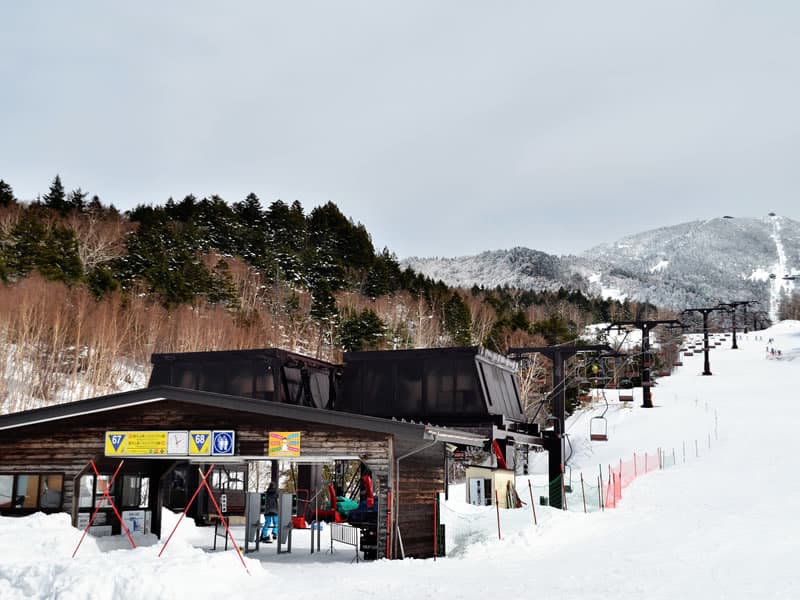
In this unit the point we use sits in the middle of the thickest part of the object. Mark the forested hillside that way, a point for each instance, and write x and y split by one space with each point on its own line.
88 292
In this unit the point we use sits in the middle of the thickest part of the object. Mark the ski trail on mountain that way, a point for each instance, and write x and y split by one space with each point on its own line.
777 285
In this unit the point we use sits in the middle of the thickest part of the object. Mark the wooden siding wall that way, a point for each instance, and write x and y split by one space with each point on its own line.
67 445
421 477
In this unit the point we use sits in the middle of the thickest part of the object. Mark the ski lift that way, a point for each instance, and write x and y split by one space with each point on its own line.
598 426
598 429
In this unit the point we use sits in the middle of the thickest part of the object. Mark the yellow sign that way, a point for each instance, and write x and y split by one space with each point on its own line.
136 443
284 443
199 442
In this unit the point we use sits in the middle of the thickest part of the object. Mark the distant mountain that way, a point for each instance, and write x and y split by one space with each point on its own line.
689 264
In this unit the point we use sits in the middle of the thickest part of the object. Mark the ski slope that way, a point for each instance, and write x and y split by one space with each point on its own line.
724 524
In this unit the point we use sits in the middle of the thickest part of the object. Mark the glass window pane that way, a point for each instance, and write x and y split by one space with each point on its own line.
130 490
6 483
28 489
144 492
85 491
52 487
100 488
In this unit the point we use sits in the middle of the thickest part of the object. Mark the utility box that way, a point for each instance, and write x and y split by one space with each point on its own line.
483 482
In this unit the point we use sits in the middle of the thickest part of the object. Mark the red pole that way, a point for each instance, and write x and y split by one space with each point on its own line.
435 528
635 473
533 504
185 510
96 510
224 522
497 506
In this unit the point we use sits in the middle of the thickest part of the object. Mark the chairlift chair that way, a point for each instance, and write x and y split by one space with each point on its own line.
598 426
598 429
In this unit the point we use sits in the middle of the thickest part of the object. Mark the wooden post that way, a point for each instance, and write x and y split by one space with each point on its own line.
600 494
533 504
583 493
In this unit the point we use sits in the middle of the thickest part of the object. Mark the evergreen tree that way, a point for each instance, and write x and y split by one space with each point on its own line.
25 245
362 331
6 194
555 329
76 200
458 321
58 258
251 233
286 234
384 277
55 198
101 281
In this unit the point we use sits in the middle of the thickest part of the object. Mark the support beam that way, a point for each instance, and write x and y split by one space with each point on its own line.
644 367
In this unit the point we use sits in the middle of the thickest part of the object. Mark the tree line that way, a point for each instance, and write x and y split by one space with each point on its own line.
246 275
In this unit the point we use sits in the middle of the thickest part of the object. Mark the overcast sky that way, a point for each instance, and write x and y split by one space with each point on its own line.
447 128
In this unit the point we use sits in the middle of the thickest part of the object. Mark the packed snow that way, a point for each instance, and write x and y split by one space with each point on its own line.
722 522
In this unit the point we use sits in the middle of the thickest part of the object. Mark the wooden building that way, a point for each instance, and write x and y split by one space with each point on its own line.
45 454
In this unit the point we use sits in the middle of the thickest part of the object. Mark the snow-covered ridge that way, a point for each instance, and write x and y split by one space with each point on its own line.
690 264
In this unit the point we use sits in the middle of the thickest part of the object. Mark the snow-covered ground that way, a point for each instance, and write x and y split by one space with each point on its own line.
723 524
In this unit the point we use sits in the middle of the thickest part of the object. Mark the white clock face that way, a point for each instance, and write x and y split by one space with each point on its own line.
178 442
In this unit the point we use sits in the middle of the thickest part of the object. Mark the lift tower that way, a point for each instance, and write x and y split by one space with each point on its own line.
732 306
744 309
644 368
554 441
705 312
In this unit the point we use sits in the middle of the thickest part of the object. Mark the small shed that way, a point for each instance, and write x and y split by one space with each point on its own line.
485 484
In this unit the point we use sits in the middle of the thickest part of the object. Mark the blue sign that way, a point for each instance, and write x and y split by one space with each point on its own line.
116 440
222 443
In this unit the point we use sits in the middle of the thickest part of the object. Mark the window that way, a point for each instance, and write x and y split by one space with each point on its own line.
50 492
29 492
6 490
99 489
228 479
135 491
88 489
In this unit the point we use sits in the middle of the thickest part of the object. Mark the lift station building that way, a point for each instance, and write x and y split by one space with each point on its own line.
398 414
